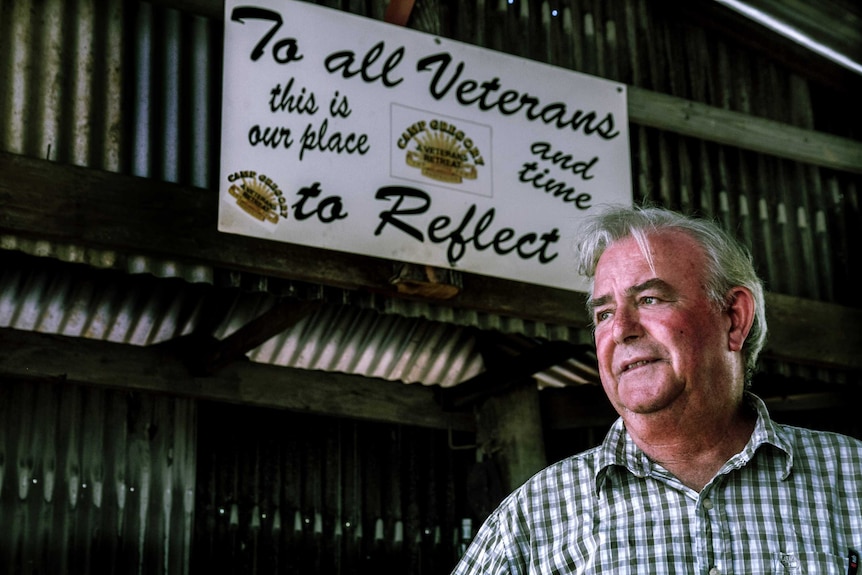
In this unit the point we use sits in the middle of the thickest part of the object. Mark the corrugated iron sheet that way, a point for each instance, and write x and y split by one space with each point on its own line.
76 300
134 87
311 495
95 481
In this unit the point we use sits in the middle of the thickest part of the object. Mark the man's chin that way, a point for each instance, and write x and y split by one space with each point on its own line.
645 402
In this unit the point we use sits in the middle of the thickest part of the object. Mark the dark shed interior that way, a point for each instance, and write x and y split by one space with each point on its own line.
176 400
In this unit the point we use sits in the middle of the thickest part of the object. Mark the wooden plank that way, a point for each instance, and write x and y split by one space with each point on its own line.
283 315
130 215
584 406
30 356
813 332
689 118
510 428
104 210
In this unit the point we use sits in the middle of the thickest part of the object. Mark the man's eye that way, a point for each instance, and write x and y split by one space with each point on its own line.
602 316
649 300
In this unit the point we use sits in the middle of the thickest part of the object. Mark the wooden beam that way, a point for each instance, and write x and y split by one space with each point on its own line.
284 314
510 427
131 215
583 406
744 131
505 372
576 407
30 356
105 210
813 332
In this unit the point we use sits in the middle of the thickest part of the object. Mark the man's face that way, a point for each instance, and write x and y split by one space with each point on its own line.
660 341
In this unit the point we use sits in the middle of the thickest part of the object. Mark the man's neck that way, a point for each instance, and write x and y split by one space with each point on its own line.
693 452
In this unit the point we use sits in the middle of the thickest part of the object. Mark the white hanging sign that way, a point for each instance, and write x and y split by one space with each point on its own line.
349 134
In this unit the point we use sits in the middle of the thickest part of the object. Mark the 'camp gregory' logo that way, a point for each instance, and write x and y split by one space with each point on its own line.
431 148
258 196
441 151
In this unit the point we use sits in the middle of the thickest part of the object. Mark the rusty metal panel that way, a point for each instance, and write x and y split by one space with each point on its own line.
64 64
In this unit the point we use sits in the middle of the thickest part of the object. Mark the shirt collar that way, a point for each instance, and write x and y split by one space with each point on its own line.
619 450
766 432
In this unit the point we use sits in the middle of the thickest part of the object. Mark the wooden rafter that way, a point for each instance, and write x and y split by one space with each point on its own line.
31 356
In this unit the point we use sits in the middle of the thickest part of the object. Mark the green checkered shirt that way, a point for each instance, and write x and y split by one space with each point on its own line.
790 502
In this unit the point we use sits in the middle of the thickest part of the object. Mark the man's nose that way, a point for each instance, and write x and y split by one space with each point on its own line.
626 324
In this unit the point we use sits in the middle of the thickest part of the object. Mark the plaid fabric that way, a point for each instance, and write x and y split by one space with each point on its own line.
790 502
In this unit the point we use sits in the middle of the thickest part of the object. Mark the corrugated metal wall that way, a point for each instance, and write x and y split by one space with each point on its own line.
297 494
100 481
134 88
801 222
94 481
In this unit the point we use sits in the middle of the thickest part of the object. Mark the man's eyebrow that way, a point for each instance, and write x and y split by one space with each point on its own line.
652 283
592 304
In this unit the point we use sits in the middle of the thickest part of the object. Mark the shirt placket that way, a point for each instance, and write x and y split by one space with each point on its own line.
712 531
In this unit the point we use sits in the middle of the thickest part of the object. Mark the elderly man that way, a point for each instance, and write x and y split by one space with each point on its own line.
694 477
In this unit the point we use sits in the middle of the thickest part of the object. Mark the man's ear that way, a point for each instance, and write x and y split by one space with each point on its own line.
741 312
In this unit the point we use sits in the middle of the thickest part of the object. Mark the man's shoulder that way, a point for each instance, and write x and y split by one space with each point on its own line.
825 450
567 483
587 459
828 439
571 469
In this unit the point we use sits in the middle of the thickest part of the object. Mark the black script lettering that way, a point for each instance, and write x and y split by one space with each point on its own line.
283 100
337 142
391 216
564 161
439 93
530 174
458 243
509 102
339 107
288 45
328 209
272 137
462 235
345 59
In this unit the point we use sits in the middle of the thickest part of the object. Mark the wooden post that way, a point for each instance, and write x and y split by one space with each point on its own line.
509 426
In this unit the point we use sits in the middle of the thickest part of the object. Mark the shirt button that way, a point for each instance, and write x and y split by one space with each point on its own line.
715 571
707 504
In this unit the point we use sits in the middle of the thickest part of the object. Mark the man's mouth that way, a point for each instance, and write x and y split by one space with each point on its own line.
637 364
